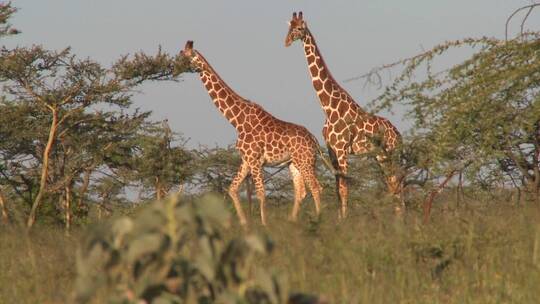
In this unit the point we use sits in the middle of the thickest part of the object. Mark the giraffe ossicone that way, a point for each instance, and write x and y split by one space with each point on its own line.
261 139
348 129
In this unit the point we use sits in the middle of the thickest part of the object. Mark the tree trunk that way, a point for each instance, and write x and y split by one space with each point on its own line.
99 211
459 189
44 170
158 188
84 187
428 203
536 172
3 207
518 199
534 188
67 206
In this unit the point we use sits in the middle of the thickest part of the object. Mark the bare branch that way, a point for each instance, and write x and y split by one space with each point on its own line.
529 9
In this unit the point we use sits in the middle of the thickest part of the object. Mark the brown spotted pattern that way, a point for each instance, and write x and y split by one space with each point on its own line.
262 139
348 129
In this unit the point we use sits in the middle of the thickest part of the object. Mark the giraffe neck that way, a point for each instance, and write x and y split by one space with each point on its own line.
330 93
228 102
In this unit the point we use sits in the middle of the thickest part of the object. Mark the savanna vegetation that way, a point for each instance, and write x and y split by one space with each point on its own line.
72 147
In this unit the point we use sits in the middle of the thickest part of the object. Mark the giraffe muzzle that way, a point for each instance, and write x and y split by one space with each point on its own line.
288 41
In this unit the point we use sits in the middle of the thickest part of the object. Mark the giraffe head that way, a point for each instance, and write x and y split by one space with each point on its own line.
297 29
191 57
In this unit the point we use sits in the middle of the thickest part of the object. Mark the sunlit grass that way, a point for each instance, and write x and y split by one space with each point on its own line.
36 268
480 253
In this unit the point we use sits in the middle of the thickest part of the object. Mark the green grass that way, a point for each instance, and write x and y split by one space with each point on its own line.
37 267
486 254
480 253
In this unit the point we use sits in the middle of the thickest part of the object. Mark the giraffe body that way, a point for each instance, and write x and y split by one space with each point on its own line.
262 140
348 129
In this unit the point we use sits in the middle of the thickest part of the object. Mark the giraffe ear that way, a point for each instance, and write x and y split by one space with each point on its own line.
300 16
288 23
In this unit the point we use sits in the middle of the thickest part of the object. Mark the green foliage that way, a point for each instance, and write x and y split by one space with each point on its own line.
6 11
78 126
58 79
480 117
175 252
56 96
162 161
142 67
216 167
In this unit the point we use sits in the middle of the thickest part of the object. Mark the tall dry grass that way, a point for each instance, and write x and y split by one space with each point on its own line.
482 252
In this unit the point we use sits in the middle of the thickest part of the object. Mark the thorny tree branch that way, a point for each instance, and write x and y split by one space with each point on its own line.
529 9
414 61
374 75
375 72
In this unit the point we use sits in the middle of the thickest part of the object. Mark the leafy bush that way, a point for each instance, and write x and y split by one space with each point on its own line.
174 252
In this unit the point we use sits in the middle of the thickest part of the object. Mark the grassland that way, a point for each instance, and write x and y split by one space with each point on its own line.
482 252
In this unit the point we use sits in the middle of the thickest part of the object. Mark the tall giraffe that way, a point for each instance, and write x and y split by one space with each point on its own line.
348 129
262 139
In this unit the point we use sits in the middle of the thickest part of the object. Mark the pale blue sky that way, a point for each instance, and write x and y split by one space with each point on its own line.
244 41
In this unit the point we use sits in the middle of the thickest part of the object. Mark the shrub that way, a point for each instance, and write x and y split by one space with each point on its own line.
174 252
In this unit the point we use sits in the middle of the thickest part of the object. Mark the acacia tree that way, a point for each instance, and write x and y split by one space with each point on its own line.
56 97
6 11
89 142
98 142
479 117
58 86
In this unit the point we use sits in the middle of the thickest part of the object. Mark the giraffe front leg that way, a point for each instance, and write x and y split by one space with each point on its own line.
393 181
299 191
233 191
256 172
334 160
343 187
395 188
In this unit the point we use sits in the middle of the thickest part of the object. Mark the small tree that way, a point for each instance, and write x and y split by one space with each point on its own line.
162 161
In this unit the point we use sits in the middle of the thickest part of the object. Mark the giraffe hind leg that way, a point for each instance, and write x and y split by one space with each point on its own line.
256 171
299 190
308 173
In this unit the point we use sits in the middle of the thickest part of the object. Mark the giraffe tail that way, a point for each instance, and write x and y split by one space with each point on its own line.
327 163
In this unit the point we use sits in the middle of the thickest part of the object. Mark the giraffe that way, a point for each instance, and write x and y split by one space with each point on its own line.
261 139
348 129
